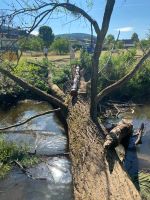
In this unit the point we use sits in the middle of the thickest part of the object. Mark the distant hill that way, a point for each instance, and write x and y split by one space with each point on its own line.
77 36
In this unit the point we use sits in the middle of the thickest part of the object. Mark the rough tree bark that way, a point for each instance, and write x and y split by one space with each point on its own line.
96 174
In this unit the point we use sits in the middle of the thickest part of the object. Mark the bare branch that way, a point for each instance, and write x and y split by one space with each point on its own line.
29 119
106 19
68 6
120 82
36 23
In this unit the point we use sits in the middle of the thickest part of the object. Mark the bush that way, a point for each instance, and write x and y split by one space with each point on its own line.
118 66
60 45
31 43
140 82
86 63
33 74
60 74
7 86
10 152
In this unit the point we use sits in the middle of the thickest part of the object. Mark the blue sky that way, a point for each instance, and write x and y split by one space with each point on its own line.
129 16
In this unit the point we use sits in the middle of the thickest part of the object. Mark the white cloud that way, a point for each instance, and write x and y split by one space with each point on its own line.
35 32
125 29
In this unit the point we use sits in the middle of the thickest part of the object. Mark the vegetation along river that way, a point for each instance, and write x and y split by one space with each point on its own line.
51 178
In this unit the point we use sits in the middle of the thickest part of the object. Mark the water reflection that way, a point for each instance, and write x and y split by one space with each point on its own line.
19 187
52 177
55 170
137 158
142 151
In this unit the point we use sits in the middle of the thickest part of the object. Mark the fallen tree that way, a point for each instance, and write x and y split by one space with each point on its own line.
97 173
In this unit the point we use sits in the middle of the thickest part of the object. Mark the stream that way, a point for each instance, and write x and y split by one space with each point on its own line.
137 158
47 136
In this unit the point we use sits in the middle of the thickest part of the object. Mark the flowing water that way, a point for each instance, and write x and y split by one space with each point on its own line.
137 158
45 134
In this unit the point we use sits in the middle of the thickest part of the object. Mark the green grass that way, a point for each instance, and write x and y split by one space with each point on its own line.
142 183
10 152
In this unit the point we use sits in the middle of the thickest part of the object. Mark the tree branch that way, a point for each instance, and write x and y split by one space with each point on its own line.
124 79
97 52
67 6
35 90
73 8
29 119
106 19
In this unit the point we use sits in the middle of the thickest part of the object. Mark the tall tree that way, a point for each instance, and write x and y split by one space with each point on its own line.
135 37
46 34
110 38
61 45
109 41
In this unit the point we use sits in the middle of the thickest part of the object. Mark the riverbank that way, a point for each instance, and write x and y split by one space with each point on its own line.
51 177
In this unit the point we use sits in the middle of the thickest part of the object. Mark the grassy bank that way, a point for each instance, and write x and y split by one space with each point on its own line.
111 69
114 67
142 183
10 152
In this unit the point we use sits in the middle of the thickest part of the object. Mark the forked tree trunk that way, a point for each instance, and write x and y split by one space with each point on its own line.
97 175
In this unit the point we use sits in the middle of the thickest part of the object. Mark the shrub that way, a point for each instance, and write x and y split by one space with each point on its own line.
119 65
60 45
10 152
60 74
31 43
86 63
33 74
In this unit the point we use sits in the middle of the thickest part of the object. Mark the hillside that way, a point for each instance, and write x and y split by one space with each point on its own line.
77 36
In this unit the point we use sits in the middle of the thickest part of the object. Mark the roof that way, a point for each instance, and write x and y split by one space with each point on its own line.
127 41
9 32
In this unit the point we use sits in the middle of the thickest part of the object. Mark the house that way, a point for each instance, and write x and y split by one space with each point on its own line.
9 32
128 43
9 37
